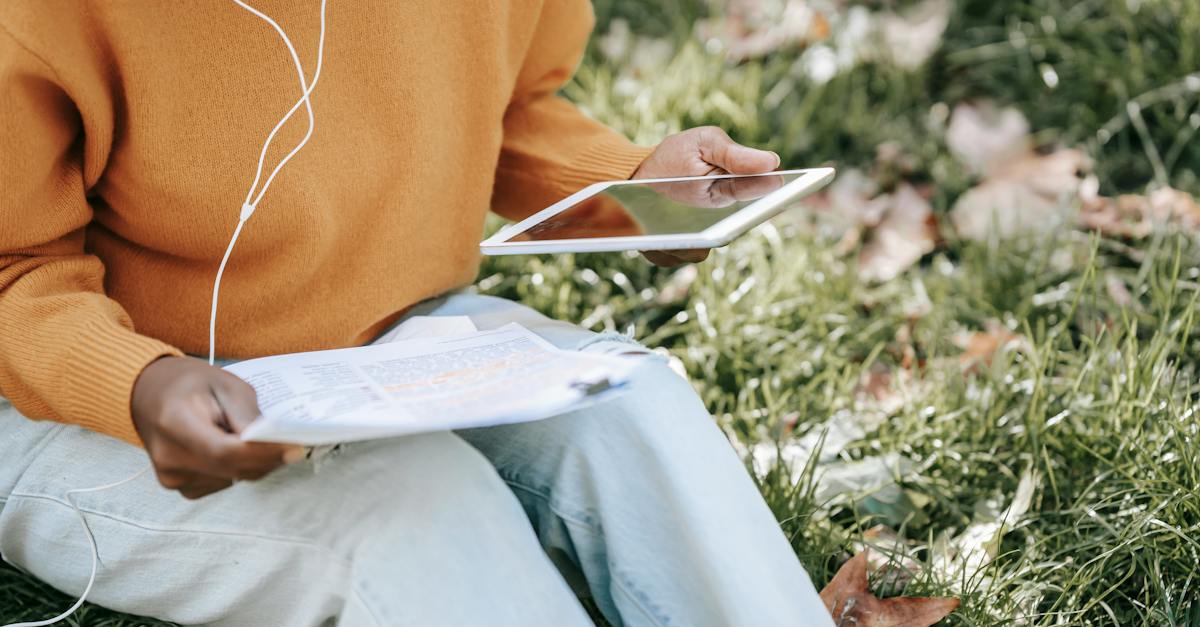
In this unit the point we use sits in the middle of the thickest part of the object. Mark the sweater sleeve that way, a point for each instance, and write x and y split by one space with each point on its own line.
67 352
551 149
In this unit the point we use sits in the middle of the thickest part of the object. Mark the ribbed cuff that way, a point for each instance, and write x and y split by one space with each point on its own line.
613 158
100 374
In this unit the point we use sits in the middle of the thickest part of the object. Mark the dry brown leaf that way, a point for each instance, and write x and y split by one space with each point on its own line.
985 138
910 38
1134 217
891 557
980 347
875 384
897 228
851 604
906 233
1021 190
1029 193
1176 205
1115 217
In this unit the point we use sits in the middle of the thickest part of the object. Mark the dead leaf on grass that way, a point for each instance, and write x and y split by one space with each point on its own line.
1133 216
985 138
852 604
906 233
1021 190
981 347
890 231
1030 194
911 37
892 558
964 556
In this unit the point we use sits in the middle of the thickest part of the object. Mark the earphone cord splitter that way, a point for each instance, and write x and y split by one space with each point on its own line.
249 205
248 208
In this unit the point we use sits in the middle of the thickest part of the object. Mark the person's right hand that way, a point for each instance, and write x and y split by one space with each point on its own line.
189 415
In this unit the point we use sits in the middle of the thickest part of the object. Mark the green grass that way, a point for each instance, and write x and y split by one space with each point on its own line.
1096 407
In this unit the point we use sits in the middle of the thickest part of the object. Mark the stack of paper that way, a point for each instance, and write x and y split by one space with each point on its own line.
425 384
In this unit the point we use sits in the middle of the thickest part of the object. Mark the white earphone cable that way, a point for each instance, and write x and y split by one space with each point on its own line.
91 542
250 205
248 208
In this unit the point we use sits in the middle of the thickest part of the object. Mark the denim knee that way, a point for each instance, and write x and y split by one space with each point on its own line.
657 403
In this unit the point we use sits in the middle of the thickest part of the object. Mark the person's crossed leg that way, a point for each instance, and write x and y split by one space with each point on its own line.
641 494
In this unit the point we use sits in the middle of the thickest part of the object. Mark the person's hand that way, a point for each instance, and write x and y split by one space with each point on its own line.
699 152
188 415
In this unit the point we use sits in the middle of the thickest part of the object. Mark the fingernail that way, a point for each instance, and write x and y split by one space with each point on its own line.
294 454
778 160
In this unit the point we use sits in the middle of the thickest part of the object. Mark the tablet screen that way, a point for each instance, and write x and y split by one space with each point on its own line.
674 208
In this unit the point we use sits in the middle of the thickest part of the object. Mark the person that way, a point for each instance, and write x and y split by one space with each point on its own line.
129 130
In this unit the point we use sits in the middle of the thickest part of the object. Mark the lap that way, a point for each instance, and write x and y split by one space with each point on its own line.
298 528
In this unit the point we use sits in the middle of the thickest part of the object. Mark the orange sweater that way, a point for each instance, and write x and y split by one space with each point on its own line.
129 132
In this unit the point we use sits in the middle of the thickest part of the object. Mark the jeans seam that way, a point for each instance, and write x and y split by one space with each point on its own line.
556 507
619 584
185 530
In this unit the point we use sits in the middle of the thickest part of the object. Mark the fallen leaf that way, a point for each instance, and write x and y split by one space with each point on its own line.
910 38
981 347
851 604
1176 205
875 385
1029 193
906 233
1115 217
870 477
1134 216
985 138
898 228
891 557
1021 190
963 557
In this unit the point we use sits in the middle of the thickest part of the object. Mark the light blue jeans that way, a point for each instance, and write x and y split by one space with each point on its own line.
638 501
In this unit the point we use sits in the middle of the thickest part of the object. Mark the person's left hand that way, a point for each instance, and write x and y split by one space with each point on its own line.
698 152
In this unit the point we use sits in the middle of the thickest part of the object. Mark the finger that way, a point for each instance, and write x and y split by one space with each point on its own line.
754 187
204 488
720 193
694 193
174 479
196 426
661 259
177 464
238 401
690 255
717 149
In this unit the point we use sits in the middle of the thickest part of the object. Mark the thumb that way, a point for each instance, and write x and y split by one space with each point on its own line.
238 401
718 149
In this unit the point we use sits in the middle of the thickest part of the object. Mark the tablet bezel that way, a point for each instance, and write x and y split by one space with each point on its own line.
716 235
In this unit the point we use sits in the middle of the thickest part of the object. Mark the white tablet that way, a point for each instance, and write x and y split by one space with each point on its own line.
657 214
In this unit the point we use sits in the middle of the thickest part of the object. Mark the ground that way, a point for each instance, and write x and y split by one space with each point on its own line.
976 352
